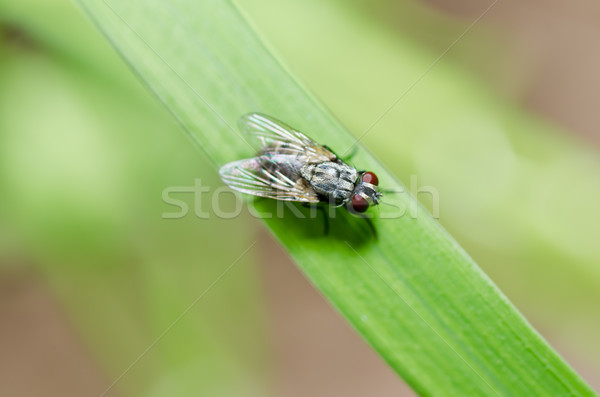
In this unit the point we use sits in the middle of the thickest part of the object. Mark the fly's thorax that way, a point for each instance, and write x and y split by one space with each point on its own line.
333 180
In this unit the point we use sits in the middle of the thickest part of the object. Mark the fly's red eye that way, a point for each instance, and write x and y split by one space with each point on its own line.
369 177
359 204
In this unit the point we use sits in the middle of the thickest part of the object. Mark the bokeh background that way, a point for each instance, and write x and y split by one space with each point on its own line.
504 126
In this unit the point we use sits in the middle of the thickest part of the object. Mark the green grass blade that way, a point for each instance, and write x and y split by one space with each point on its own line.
412 293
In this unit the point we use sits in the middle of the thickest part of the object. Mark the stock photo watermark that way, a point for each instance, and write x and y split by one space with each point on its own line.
205 202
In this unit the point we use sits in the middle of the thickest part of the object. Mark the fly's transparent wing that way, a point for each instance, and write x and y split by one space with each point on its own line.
279 138
273 176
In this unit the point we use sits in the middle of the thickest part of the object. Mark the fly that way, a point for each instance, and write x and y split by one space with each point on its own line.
292 167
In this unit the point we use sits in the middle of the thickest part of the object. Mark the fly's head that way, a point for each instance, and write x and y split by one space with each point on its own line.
366 192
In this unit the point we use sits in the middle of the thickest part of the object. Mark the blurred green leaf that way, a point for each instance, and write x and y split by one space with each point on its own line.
413 293
85 154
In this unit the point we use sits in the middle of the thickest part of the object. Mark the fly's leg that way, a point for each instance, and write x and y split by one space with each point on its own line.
325 220
349 156
325 216
345 158
369 222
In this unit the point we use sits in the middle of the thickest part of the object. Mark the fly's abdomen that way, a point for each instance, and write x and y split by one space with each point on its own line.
288 166
332 180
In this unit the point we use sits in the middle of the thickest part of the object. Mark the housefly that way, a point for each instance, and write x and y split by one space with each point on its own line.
292 167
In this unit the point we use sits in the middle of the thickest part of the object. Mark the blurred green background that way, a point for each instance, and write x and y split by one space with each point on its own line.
503 126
